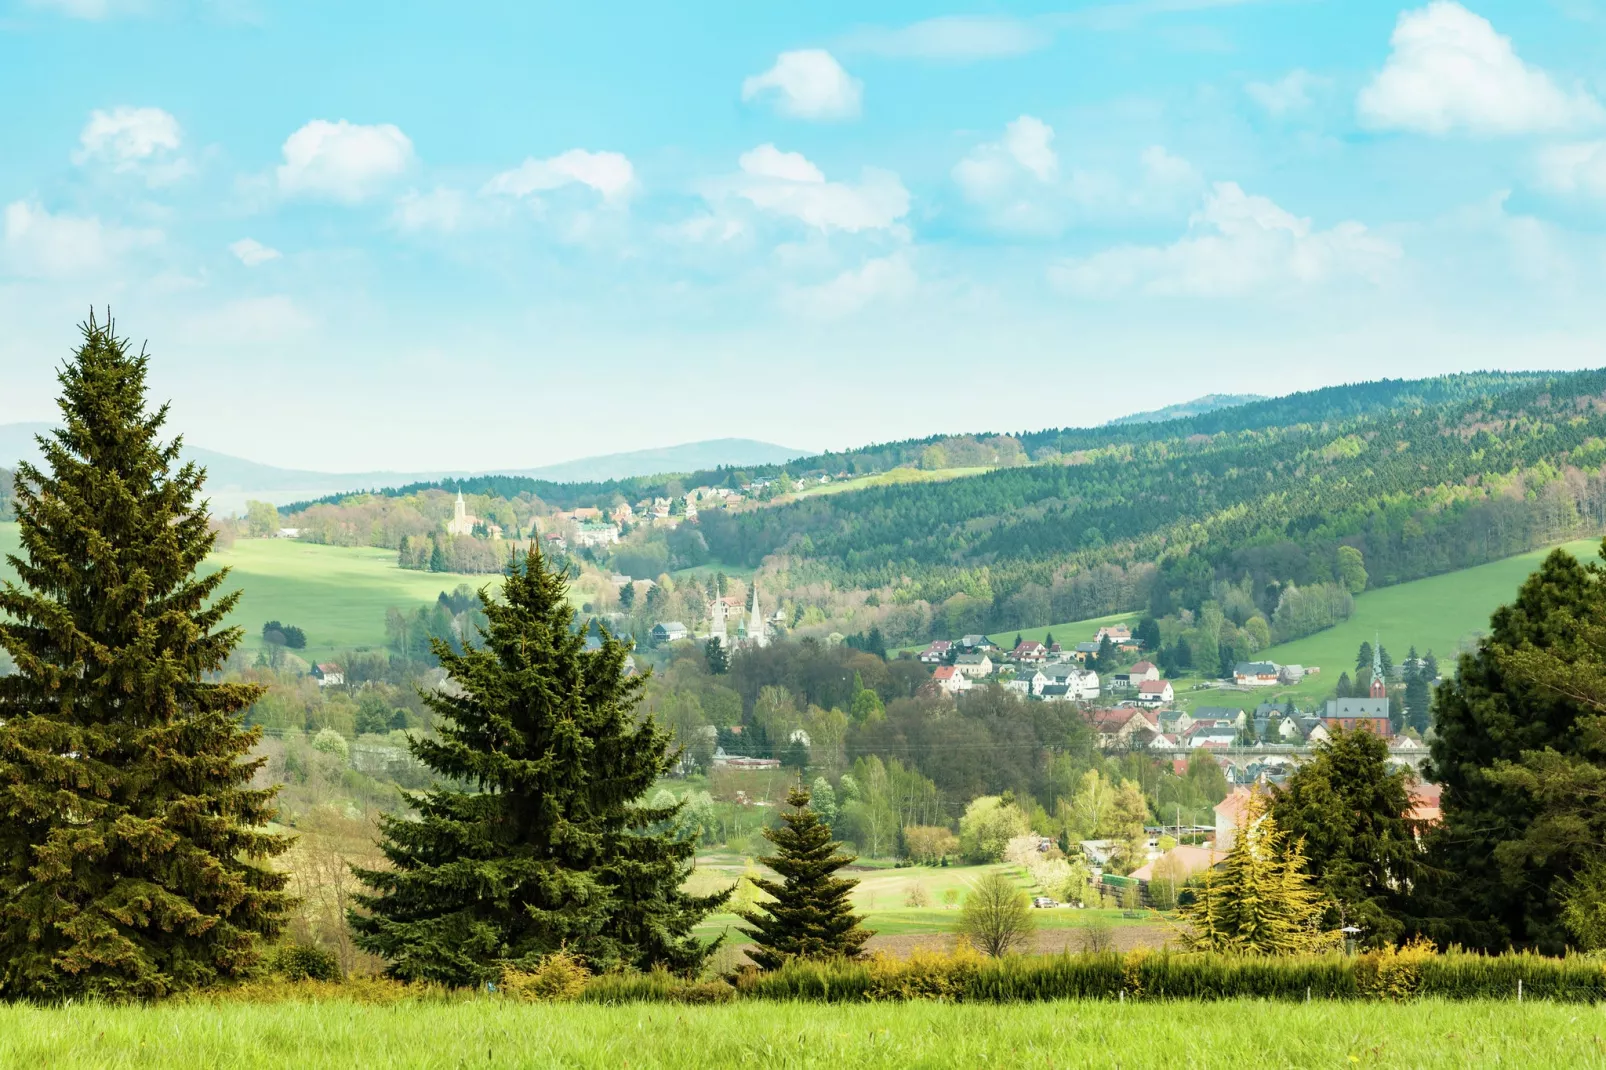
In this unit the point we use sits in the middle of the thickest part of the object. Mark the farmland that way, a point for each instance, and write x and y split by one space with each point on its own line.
1439 613
338 595
485 1031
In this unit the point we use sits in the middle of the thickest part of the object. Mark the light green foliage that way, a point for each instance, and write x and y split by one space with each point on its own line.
1351 569
261 520
986 828
996 916
332 743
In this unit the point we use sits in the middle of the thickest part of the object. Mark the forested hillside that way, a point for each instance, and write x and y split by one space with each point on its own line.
1418 477
6 478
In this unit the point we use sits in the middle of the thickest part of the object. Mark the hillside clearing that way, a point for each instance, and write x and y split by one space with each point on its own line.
485 1031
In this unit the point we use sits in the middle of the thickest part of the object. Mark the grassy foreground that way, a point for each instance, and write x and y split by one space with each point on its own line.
493 1033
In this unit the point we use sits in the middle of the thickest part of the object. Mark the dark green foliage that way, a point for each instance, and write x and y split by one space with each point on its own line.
810 916
131 847
718 659
1350 810
1502 862
550 849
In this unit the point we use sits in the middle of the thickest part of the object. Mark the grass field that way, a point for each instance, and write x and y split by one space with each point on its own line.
1440 613
487 1032
337 595
882 479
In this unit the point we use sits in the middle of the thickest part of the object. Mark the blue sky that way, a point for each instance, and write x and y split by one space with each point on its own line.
429 235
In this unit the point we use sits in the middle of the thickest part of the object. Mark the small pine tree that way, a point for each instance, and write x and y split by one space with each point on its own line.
1262 900
810 916
550 850
131 840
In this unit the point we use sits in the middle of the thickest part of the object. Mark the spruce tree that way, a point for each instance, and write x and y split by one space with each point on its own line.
1498 876
541 843
131 842
810 916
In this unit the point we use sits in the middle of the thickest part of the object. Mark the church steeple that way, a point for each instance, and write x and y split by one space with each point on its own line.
1379 685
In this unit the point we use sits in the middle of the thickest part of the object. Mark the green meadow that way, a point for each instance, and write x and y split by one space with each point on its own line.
882 479
1444 614
337 595
488 1032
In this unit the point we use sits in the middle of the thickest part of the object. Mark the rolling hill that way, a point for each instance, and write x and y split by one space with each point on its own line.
1182 410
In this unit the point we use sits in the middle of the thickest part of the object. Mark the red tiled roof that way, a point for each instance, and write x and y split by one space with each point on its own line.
1152 687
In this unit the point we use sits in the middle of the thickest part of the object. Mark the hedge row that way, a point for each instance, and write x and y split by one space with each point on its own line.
1393 975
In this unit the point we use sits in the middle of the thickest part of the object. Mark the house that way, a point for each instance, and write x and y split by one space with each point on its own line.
1115 633
1029 651
1028 681
328 674
1255 674
1084 651
975 666
596 535
288 533
977 642
1425 804
1180 863
1056 693
669 631
1210 735
1290 674
950 679
1143 670
936 653
1229 812
1124 726
1372 714
1156 693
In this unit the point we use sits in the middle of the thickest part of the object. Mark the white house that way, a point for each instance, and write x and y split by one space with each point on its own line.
936 653
328 675
669 631
1028 681
950 679
1137 674
1156 693
1256 674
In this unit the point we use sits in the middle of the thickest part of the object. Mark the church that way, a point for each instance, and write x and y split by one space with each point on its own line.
462 522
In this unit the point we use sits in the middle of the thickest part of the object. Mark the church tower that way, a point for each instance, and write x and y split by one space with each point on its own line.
716 618
1379 685
755 622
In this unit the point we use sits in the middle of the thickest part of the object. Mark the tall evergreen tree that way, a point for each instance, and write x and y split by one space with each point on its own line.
131 841
1352 814
810 916
1500 868
551 848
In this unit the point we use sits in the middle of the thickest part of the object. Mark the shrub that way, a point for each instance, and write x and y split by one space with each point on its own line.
917 896
659 986
555 978
304 962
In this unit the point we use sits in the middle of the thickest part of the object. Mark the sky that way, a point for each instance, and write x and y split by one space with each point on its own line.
470 235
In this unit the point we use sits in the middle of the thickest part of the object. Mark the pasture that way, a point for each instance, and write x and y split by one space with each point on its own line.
486 1031
1444 614
882 479
337 595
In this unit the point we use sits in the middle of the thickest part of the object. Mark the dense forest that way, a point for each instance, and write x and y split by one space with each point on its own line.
6 504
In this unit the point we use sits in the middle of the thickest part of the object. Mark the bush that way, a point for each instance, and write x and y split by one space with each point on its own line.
659 986
304 962
557 978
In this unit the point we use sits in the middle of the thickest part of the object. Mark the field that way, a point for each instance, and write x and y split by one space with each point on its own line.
881 479
485 1031
337 595
882 898
1441 613
1067 634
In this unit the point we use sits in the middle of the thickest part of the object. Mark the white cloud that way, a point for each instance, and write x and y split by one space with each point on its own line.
251 252
952 37
342 160
127 137
1239 243
609 173
1578 168
1288 94
883 279
807 84
788 184
1449 70
43 245
991 170
1017 182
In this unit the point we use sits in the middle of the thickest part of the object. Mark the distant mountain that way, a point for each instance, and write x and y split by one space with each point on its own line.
232 480
1182 410
691 457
